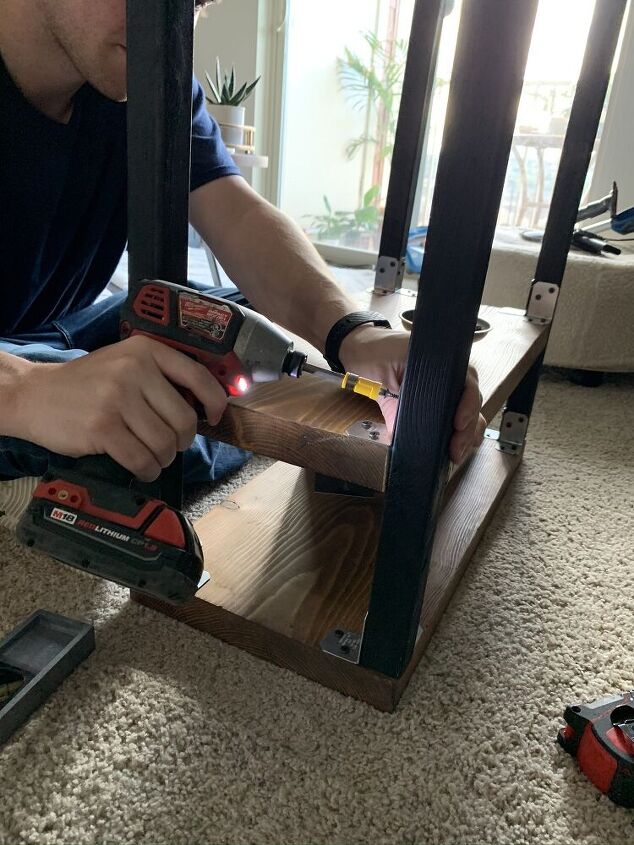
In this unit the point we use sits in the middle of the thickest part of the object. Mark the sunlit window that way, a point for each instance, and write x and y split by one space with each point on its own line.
345 68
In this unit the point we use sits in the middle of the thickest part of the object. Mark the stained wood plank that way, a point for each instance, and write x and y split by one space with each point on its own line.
375 689
288 558
304 422
504 356
288 565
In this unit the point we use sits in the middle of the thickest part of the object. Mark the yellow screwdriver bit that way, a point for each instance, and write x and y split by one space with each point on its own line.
353 383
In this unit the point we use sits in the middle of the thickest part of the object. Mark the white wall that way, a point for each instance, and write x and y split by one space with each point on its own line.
230 31
251 35
319 120
615 159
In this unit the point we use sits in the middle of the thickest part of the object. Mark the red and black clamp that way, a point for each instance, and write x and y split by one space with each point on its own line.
601 736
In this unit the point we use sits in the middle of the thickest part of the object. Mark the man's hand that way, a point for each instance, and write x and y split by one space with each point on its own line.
121 401
381 355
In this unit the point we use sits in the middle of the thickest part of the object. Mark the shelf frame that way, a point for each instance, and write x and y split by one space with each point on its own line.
293 565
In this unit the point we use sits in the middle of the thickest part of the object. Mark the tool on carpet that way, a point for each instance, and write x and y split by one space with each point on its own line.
38 654
92 516
601 736
587 238
11 680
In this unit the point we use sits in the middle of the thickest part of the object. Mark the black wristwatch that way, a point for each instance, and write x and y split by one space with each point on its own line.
342 328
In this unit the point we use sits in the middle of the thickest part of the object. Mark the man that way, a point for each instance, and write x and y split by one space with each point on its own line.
66 385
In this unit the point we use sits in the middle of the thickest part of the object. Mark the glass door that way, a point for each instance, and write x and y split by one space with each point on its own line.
343 78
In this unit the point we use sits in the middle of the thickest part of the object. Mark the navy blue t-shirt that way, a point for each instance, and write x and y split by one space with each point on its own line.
63 200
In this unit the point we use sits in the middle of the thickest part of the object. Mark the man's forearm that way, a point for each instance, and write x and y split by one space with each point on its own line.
13 371
282 274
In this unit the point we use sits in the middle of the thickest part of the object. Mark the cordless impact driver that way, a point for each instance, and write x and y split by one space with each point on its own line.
91 516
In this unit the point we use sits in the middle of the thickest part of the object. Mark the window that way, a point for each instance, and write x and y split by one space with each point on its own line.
344 70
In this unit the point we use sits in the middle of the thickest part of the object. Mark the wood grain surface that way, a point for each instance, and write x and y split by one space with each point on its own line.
291 559
288 565
304 422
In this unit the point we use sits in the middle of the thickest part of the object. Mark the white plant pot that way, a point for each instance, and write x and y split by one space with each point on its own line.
230 119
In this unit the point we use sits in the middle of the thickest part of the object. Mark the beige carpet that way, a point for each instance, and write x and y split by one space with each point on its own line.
168 736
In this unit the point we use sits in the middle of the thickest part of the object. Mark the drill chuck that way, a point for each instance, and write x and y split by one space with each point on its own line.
294 363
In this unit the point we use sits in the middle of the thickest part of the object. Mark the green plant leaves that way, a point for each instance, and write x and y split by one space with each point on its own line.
337 224
375 84
370 195
214 90
223 90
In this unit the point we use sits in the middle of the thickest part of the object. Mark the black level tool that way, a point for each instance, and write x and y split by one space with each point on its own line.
11 680
601 736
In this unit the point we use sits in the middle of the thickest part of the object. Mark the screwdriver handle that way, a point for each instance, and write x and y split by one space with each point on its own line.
362 386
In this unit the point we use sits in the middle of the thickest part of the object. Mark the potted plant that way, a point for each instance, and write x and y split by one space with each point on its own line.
226 104
357 228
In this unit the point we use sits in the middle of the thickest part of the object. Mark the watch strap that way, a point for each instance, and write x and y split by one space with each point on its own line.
342 329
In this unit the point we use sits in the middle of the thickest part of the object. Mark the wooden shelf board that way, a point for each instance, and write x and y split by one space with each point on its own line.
304 422
501 357
288 565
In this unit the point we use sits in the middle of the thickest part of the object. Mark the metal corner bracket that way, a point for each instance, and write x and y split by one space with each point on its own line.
542 302
367 430
347 644
389 274
343 644
512 434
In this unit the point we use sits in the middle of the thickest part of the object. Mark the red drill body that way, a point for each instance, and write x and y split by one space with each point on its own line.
84 518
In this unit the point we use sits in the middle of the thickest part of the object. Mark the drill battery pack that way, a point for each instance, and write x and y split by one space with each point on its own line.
115 533
601 736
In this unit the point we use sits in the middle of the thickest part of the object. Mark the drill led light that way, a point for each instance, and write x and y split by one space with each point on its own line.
242 384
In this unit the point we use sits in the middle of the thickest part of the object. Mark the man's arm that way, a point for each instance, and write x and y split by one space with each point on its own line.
282 274
13 371
278 268
120 400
